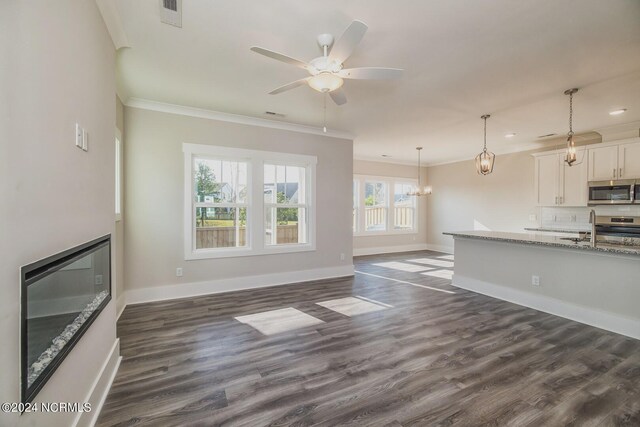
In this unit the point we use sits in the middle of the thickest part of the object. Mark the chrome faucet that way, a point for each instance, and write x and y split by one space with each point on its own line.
592 221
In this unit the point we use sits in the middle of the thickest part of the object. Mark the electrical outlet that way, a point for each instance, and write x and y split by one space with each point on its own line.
342 257
98 279
178 272
535 280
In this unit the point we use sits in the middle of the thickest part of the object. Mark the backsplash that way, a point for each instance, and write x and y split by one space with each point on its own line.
577 218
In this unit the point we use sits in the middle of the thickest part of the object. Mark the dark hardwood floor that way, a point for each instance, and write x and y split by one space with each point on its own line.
438 356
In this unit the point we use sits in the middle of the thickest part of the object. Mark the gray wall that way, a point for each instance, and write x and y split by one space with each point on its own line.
464 200
153 219
58 68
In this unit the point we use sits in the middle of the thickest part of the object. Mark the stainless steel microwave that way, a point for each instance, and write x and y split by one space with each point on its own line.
621 192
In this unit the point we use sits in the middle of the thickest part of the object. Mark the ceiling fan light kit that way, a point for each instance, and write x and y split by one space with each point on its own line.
327 72
325 82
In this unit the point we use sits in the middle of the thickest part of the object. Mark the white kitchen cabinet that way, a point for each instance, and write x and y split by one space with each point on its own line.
629 161
614 162
603 163
547 180
558 184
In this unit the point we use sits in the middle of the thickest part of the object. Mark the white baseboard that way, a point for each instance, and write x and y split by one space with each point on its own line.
402 248
600 319
184 290
440 248
100 388
121 304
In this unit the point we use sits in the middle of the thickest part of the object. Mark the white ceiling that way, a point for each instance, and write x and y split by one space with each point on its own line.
462 58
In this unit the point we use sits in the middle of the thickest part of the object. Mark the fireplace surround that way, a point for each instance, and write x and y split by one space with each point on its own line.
61 296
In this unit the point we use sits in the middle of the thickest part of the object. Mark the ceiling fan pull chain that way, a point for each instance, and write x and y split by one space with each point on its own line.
324 127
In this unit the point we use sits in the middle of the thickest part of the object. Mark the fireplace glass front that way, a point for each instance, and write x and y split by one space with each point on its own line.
61 296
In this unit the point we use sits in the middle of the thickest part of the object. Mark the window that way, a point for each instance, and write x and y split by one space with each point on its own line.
220 190
246 202
356 203
118 175
403 207
375 206
285 205
386 207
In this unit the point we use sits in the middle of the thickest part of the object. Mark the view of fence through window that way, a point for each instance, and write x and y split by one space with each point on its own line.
221 203
403 207
375 202
386 205
285 204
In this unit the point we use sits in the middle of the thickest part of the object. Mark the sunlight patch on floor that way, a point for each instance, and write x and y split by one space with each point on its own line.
402 266
417 285
443 274
277 321
351 306
434 262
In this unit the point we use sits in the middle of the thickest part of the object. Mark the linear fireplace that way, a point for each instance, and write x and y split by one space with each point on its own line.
61 296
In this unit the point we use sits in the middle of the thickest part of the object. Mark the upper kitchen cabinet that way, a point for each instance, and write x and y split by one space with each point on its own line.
558 184
629 160
620 161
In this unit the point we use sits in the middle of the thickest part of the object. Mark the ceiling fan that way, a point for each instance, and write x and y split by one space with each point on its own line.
327 72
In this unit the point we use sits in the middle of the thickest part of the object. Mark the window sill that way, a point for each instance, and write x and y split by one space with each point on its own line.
245 252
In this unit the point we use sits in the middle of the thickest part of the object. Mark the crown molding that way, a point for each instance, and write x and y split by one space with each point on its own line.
182 110
111 17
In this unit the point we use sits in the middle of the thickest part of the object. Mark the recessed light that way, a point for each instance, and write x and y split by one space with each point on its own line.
386 155
509 135
617 112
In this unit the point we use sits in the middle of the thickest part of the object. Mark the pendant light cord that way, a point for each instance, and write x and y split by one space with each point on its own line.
571 114
485 135
419 189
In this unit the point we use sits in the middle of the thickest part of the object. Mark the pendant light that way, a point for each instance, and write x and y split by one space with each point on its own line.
485 160
570 156
419 190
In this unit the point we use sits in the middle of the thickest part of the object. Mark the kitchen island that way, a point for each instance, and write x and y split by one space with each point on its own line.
599 286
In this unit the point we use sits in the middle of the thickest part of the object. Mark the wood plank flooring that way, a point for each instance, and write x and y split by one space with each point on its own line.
439 356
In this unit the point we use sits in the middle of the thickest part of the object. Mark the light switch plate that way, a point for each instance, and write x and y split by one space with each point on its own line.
85 140
78 136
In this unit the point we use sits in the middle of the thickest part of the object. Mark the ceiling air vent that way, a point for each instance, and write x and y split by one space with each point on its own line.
171 12
273 114
547 135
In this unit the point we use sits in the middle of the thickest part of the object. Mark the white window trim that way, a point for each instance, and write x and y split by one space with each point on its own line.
390 183
255 200
119 184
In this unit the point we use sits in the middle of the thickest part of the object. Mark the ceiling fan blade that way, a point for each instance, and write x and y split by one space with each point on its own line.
288 86
344 46
279 57
338 96
373 73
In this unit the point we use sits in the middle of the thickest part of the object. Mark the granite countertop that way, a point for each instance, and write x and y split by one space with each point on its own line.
556 230
542 240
